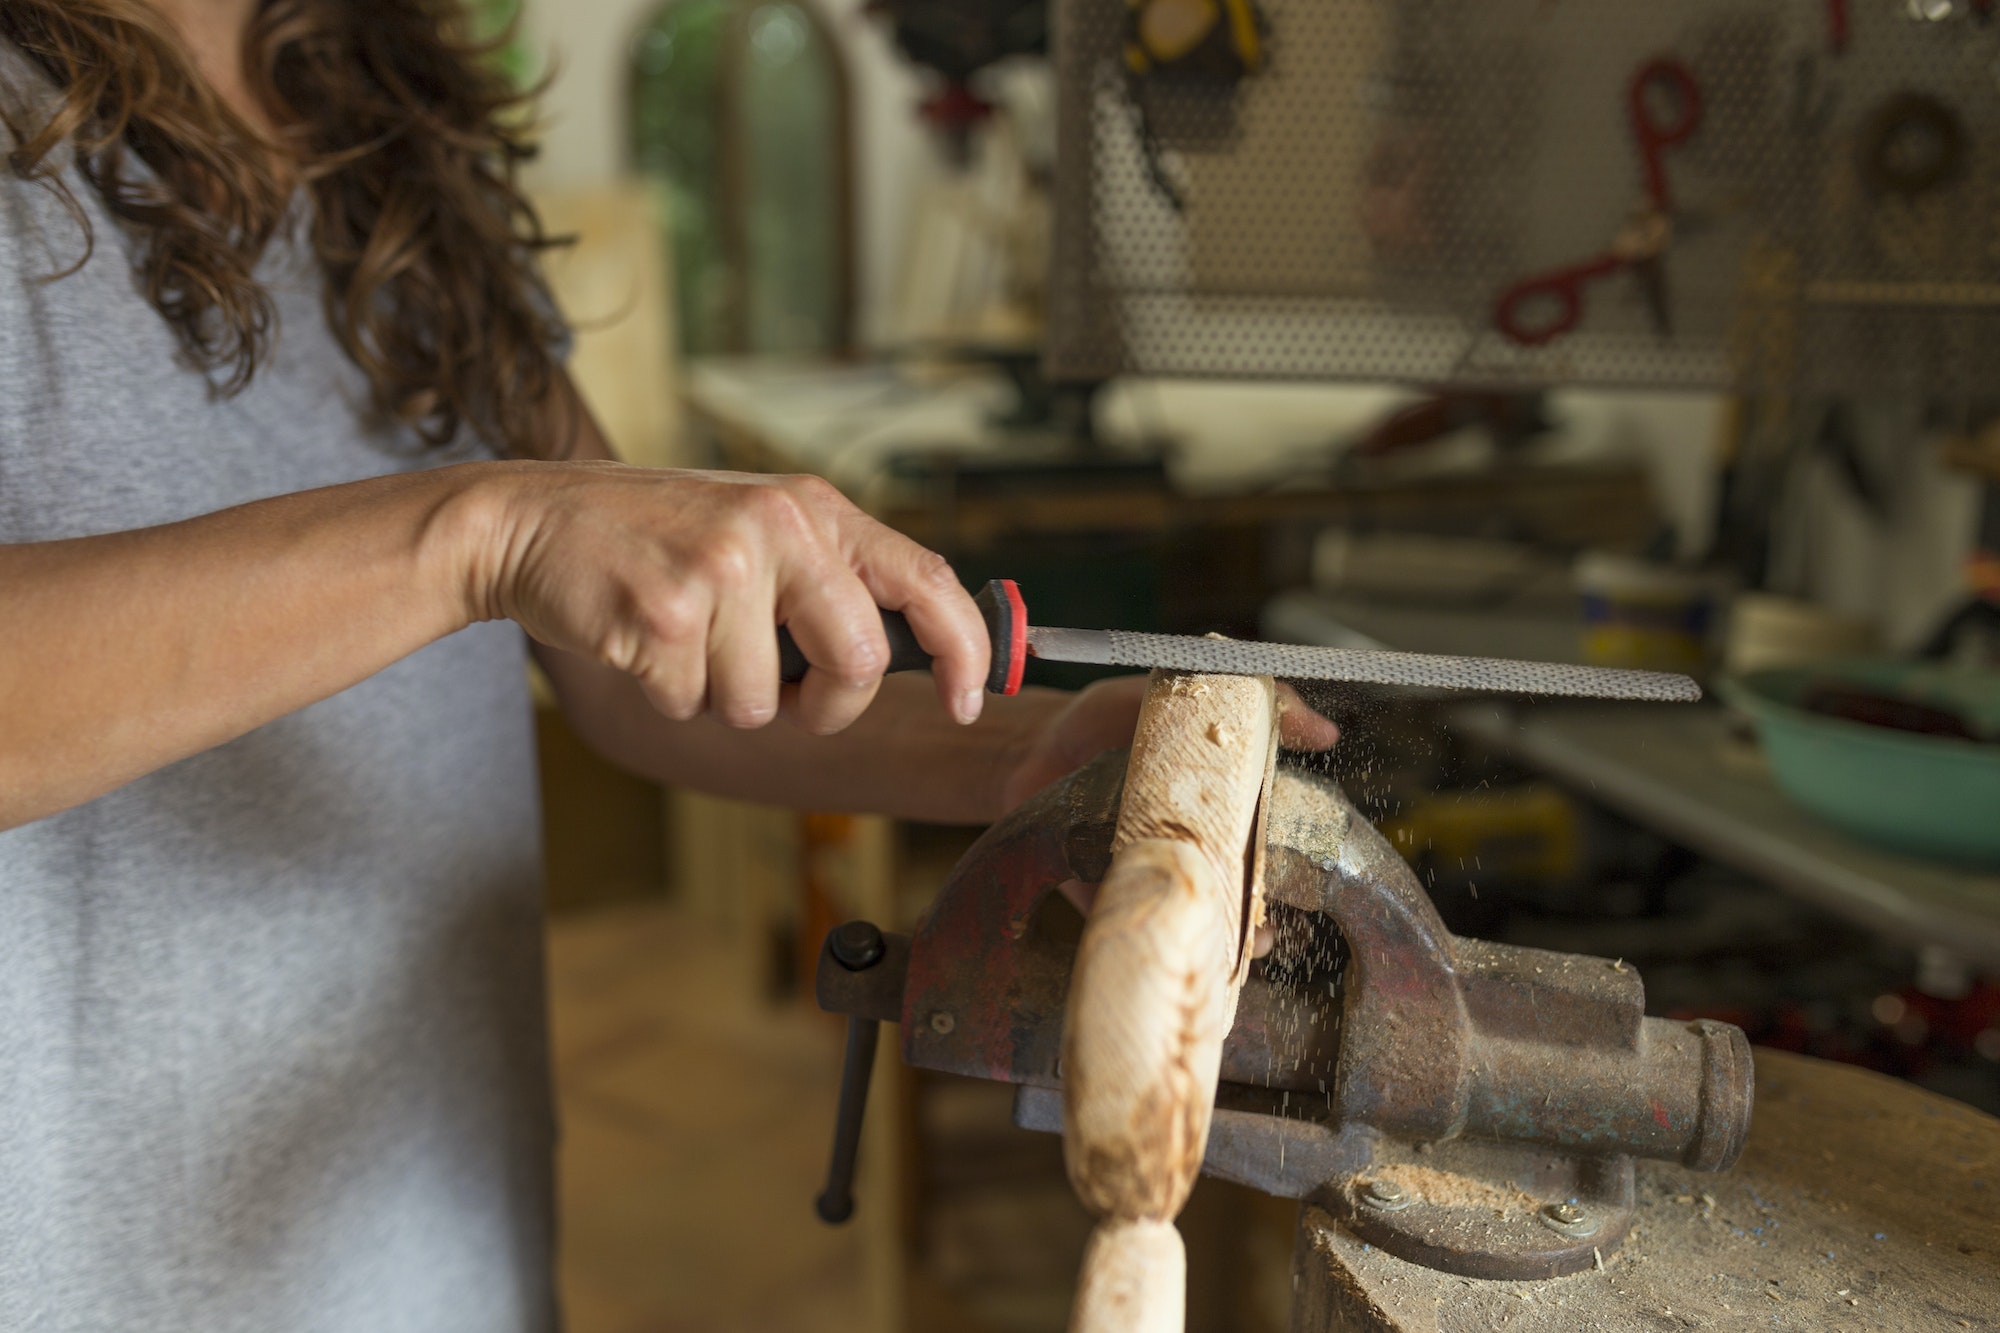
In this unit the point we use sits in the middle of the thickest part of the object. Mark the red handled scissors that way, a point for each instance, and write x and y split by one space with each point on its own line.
1544 308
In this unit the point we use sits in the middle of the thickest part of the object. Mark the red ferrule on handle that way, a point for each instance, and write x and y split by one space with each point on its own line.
1015 615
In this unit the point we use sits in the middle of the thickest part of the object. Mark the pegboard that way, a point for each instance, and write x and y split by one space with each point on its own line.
1362 205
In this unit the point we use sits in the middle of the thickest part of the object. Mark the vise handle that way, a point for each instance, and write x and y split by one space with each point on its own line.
857 948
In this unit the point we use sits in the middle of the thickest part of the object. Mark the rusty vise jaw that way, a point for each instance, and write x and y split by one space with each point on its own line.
1470 1106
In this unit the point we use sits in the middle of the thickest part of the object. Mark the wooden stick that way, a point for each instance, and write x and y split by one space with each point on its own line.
1154 989
1134 1277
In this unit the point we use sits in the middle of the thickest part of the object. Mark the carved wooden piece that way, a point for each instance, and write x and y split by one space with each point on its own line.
1134 1277
1155 984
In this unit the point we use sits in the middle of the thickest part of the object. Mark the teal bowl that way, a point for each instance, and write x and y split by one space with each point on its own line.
1926 795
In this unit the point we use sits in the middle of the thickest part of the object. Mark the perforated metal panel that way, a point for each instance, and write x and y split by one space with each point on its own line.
1359 208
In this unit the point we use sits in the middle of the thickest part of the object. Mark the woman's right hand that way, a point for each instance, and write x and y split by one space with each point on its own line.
681 578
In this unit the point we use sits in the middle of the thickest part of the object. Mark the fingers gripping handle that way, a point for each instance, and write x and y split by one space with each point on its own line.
905 653
1006 629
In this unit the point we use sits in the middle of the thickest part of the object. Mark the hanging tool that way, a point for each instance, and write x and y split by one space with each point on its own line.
1215 41
1541 309
1197 50
1910 144
1510 419
1014 640
958 40
1839 442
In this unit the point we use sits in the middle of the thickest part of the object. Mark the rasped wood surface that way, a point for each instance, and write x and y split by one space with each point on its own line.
1154 986
1149 1009
1201 759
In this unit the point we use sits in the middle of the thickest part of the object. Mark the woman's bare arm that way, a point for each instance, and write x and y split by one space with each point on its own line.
123 653
903 757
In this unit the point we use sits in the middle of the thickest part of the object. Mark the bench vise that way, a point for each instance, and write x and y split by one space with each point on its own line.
1471 1107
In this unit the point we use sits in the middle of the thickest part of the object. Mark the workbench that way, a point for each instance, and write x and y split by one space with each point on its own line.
1861 1205
1684 772
1237 455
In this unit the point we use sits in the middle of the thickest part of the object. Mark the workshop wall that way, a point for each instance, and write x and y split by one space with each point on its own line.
586 44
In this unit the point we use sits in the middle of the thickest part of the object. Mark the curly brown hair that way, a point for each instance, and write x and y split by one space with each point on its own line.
406 136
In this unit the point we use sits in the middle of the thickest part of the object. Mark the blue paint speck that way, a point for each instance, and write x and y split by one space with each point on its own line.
1881 1235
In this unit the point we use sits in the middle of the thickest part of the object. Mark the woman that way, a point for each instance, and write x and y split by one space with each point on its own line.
285 441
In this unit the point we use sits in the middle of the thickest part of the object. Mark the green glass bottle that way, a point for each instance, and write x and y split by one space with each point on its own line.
738 115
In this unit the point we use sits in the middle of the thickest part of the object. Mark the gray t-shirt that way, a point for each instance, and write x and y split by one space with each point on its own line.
272 1047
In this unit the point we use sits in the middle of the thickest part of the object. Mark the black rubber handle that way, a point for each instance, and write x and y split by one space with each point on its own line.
1006 628
905 653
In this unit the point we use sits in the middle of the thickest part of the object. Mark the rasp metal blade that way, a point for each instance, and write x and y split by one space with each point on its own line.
1242 657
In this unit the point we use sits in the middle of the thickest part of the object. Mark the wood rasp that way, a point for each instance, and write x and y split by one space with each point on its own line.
1014 641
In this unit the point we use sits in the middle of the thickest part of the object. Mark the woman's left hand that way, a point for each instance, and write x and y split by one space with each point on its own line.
1102 717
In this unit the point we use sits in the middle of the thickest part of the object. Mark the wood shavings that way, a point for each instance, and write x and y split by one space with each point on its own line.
1456 1191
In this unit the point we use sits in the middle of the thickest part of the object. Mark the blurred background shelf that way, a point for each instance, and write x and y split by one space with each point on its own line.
1690 774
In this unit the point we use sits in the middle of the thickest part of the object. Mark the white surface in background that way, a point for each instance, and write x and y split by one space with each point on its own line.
1905 574
1676 436
1243 433
1232 436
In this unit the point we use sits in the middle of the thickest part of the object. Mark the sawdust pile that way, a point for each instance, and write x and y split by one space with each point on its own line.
1456 1191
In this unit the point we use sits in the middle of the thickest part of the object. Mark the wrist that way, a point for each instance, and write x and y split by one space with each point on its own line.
466 537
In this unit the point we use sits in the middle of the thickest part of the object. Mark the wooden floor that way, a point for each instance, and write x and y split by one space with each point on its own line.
695 1124
696 1120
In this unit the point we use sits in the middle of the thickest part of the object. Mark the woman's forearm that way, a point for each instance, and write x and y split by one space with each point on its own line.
122 653
125 652
905 756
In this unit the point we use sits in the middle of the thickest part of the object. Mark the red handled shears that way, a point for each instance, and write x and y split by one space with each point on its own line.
1545 307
